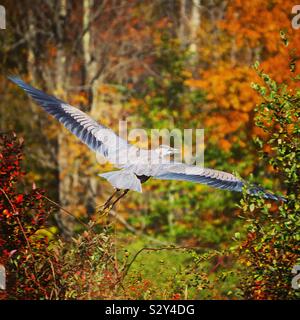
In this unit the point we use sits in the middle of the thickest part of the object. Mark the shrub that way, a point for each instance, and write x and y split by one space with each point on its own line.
37 263
271 248
22 213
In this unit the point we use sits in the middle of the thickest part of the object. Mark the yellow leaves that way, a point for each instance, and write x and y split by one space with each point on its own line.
186 114
80 98
199 188
59 92
186 74
194 83
46 233
52 128
33 176
106 89
235 102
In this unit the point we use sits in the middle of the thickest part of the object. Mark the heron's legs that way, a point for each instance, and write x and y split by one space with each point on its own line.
119 198
107 202
107 206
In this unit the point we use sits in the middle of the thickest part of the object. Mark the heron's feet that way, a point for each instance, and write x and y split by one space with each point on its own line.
103 212
104 209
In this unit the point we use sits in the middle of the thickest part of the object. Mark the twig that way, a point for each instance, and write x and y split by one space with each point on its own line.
54 278
68 212
219 262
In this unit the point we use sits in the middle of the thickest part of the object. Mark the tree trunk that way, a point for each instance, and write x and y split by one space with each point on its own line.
194 26
66 197
182 34
91 80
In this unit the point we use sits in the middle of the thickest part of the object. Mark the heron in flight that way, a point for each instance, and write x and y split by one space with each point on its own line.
136 165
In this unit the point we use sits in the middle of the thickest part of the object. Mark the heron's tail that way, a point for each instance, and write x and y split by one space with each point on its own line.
123 179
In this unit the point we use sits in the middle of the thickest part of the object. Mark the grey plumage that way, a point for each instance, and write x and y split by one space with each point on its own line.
134 162
94 135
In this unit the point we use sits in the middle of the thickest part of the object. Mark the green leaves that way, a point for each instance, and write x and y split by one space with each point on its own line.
272 246
284 37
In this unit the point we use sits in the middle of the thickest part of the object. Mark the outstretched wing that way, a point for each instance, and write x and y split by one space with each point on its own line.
97 137
214 178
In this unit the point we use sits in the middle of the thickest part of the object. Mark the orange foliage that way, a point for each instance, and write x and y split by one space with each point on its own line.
257 24
249 32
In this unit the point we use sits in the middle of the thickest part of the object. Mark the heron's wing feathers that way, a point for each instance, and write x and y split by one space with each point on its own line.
214 178
97 137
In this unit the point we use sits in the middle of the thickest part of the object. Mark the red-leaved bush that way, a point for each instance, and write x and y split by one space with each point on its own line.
35 267
22 213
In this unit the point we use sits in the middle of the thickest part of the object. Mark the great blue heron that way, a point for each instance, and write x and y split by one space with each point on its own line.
136 165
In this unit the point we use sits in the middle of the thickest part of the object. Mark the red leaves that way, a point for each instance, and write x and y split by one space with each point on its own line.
176 296
37 195
19 198
9 254
21 215
27 205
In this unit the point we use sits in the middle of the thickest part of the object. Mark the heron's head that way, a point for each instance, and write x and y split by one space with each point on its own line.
164 150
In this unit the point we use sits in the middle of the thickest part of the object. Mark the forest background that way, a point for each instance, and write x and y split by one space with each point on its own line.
229 67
